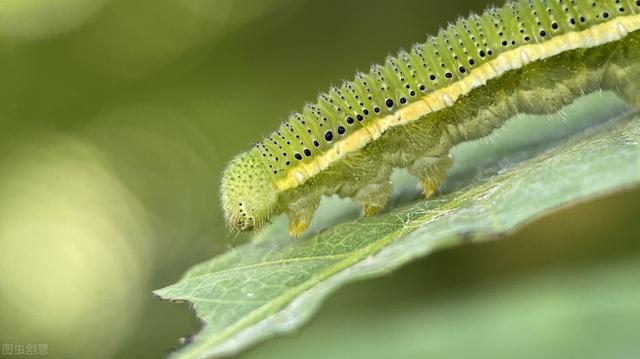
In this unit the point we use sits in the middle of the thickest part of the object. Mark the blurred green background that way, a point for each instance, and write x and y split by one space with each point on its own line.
116 120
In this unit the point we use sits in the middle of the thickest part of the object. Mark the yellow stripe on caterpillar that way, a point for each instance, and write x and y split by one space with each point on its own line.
446 97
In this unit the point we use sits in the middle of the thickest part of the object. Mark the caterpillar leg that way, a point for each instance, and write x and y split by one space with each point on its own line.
300 214
373 197
431 172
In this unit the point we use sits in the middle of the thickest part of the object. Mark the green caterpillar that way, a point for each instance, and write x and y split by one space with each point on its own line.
529 56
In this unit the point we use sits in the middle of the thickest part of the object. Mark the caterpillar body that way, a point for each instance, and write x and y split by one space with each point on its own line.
529 56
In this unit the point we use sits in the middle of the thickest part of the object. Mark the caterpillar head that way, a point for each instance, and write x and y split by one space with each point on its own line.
249 195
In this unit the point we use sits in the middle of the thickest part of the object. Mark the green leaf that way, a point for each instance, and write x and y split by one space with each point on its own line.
273 284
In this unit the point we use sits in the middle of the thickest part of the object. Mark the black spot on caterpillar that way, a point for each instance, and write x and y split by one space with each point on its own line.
529 56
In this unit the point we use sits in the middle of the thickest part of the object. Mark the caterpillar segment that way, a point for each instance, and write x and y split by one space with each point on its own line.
622 75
